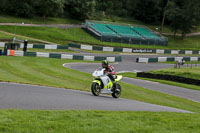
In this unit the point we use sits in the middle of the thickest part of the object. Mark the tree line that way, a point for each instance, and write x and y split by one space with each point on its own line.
180 15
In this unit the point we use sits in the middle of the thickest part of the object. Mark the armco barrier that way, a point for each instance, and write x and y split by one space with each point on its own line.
40 46
109 49
74 45
166 59
65 56
169 77
33 54
133 50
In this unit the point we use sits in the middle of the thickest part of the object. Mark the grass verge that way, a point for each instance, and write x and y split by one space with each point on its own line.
5 36
9 38
50 50
50 72
78 35
186 72
133 75
20 121
38 20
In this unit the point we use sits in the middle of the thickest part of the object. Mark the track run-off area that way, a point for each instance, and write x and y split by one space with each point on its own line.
23 96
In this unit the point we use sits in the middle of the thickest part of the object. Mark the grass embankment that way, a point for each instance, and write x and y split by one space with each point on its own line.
186 72
113 19
188 86
50 72
19 121
5 36
50 50
8 38
42 71
62 36
38 20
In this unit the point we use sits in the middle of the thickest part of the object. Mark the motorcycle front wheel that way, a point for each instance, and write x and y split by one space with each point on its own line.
96 89
117 91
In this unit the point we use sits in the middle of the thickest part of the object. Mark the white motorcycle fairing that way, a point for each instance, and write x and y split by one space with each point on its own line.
107 83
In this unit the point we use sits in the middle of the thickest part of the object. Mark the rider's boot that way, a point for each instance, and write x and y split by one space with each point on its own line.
114 86
115 89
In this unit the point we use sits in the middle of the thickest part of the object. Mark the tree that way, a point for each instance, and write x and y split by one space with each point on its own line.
184 15
2 6
20 8
49 8
131 6
80 9
164 4
148 11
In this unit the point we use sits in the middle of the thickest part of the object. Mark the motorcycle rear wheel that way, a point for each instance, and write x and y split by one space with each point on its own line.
96 89
116 94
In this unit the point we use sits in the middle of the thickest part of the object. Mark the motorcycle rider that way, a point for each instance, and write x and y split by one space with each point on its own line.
109 70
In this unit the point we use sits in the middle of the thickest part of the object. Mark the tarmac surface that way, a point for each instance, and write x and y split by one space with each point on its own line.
22 96
129 65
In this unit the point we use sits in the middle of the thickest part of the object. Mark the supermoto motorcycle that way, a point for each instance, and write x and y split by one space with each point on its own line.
102 84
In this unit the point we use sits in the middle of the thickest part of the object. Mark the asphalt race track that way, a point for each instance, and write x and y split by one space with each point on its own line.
128 64
22 96
132 67
193 95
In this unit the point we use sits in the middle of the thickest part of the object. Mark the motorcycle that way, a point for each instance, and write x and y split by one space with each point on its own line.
102 84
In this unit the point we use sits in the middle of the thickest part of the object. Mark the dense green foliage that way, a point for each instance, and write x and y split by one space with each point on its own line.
145 10
180 15
35 121
183 15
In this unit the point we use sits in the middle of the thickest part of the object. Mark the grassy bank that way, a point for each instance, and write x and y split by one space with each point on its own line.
50 72
38 20
62 36
20 121
55 35
50 50
188 86
51 20
9 38
5 36
186 72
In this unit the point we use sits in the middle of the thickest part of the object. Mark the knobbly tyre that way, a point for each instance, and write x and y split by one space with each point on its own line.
102 84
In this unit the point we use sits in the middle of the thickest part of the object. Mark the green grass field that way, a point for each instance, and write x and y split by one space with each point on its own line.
78 35
8 38
22 121
187 72
51 50
50 20
38 20
188 86
55 35
50 72
5 36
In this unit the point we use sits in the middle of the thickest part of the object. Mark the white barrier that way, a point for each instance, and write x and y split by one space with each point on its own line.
41 54
108 49
86 47
66 56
